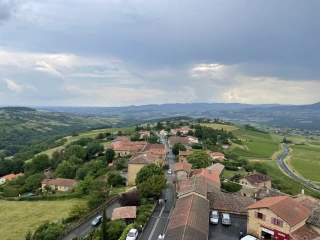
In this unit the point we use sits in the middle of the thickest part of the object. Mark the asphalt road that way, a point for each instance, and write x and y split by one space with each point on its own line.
289 172
86 227
160 217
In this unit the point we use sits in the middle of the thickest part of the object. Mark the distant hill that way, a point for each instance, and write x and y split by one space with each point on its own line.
13 109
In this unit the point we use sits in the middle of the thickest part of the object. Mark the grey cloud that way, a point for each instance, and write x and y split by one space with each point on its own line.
7 8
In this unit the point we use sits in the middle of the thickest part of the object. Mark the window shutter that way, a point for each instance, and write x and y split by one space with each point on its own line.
272 220
263 217
255 214
281 223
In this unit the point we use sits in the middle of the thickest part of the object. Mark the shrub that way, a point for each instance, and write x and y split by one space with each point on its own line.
130 199
143 201
10 192
125 232
115 179
142 219
231 187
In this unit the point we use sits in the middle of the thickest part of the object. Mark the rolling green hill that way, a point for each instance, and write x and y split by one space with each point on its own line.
21 128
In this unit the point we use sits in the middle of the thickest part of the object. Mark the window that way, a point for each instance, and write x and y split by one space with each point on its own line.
260 215
277 222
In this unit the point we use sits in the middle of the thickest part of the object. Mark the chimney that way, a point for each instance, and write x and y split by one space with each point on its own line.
302 191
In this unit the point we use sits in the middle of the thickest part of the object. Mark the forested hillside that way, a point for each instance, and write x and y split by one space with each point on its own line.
25 128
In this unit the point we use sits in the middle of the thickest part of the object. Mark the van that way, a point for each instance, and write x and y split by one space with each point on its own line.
226 219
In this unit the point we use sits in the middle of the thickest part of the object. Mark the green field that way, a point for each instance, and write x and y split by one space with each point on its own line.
17 217
305 160
285 183
229 174
255 144
220 126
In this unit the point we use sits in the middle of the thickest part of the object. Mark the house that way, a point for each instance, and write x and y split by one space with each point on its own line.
183 131
183 155
212 176
192 185
9 177
266 192
48 174
173 140
59 184
280 218
189 219
144 134
182 170
164 132
192 139
138 161
127 213
156 149
120 140
218 167
217 156
256 180
128 148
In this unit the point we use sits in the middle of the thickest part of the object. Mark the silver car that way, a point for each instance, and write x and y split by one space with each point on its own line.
225 220
214 217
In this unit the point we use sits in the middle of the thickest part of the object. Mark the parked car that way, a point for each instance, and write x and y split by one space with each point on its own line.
249 237
170 171
96 221
31 194
226 219
214 217
132 234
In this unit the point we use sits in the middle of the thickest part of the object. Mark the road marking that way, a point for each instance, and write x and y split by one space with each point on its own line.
156 224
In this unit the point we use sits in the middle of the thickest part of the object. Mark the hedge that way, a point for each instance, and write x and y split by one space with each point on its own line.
44 197
125 232
231 187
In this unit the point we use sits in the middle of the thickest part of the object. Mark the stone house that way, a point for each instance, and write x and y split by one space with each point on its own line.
183 155
256 180
278 218
217 156
182 171
138 161
59 184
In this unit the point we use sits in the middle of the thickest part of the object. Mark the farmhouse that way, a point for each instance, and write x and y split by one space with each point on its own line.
9 177
217 156
138 161
256 180
59 184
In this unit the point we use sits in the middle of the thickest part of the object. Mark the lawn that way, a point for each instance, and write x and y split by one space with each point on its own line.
255 144
285 183
17 217
229 174
219 126
305 160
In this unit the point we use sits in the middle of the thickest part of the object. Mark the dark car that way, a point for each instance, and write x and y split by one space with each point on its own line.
31 194
96 221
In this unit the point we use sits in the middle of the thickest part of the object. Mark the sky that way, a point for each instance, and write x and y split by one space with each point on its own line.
122 52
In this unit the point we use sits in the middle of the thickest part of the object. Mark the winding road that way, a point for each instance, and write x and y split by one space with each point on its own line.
285 168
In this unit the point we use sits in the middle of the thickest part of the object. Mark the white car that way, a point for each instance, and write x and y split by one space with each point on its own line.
226 219
214 217
249 237
132 234
170 171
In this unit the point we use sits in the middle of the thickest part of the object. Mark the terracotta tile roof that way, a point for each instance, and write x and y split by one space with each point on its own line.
193 184
157 151
189 220
213 176
217 154
185 153
129 148
182 166
121 139
149 146
257 178
304 233
266 192
285 207
312 204
218 167
192 137
124 212
49 174
174 140
143 158
12 176
314 219
64 182
231 202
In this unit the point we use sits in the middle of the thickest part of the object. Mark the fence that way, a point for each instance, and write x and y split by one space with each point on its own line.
90 215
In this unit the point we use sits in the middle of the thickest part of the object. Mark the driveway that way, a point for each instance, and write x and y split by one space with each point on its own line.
221 232
86 227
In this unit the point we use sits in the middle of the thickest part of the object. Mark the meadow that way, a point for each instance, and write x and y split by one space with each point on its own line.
305 160
17 217
220 126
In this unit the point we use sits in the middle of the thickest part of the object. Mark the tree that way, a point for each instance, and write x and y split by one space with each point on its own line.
121 164
78 211
104 234
115 229
179 133
40 163
77 151
178 147
147 172
47 188
159 126
33 182
28 235
199 159
57 158
131 198
84 187
81 173
94 148
66 170
48 231
153 186
75 160
115 179
5 167
110 154
135 136
191 133
100 136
